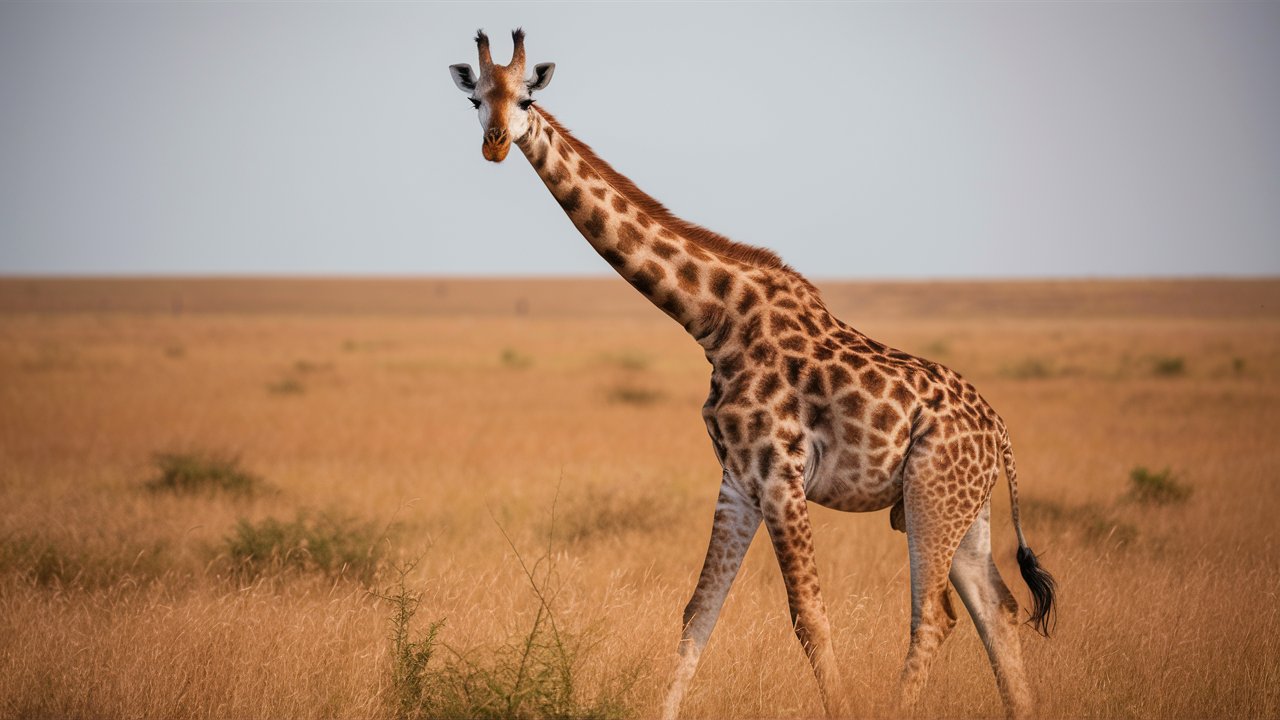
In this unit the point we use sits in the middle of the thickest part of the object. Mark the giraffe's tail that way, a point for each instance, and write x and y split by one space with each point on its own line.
1039 581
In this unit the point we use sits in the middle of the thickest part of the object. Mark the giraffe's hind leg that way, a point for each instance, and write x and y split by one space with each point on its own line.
940 499
994 611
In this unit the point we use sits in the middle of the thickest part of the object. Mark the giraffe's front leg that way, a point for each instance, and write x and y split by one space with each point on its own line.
786 515
736 521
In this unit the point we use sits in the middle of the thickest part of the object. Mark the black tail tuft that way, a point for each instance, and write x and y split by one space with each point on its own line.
1042 587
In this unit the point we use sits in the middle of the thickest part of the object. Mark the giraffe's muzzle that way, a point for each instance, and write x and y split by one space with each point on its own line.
497 143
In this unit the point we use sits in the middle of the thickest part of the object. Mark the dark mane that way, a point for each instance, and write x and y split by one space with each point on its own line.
712 241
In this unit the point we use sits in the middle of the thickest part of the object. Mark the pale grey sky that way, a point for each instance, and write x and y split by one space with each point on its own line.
859 140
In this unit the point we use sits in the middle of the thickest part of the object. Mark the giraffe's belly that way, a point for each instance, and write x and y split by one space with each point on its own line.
852 479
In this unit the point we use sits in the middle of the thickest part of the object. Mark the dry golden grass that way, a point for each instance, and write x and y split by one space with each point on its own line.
448 411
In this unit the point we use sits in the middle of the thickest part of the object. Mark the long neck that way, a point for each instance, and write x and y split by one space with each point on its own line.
696 277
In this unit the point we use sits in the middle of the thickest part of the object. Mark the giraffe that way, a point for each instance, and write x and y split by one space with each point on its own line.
802 408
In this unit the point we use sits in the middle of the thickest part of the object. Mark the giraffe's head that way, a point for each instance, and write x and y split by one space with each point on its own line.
501 93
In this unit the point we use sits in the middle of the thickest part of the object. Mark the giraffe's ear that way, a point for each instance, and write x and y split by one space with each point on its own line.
542 73
463 77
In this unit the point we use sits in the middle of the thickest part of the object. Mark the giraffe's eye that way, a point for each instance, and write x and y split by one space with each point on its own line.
525 103
475 103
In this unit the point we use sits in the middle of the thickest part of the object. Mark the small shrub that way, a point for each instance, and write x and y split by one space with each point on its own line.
304 367
937 348
1156 488
1169 367
534 675
203 473
52 357
287 386
1237 365
633 395
64 563
409 656
1028 369
598 514
632 361
325 544
512 358
1090 521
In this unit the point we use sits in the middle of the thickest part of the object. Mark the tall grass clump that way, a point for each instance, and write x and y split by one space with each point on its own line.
514 359
1172 366
632 361
534 675
1089 521
410 655
1156 488
628 394
326 544
1028 369
194 473
286 386
65 563
600 514
937 348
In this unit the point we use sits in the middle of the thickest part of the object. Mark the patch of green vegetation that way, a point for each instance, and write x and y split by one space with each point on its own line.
512 358
52 357
351 346
632 361
535 675
1092 521
305 367
1028 369
325 544
65 564
411 652
633 395
1156 488
1172 366
286 386
599 514
193 473
937 348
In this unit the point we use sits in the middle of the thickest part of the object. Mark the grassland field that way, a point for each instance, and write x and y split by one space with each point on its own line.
271 498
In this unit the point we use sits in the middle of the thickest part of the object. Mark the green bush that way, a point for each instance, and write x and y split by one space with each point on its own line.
1028 369
633 395
937 348
409 656
1091 521
1156 488
64 563
192 473
512 358
604 513
533 676
286 386
325 544
632 361
1169 367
